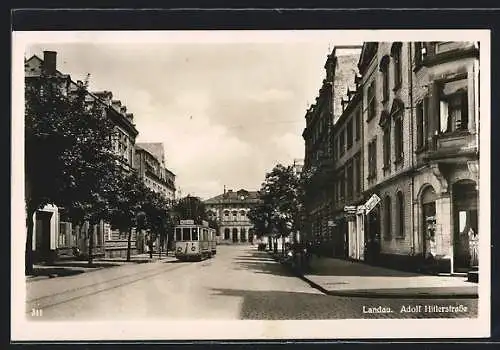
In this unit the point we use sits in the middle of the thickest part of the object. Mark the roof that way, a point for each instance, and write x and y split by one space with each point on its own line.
154 148
235 197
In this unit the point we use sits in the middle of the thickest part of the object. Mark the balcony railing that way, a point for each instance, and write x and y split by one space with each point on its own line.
451 145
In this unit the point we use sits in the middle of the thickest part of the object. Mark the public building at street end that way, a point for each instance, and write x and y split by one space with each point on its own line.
230 209
395 176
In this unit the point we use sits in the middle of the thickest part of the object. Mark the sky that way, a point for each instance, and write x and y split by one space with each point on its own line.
225 112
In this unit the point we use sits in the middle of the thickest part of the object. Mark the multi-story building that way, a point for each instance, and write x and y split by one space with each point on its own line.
150 164
54 235
420 139
445 143
341 69
230 210
348 237
386 75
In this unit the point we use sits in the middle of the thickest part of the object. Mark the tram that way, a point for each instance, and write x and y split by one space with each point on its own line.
194 241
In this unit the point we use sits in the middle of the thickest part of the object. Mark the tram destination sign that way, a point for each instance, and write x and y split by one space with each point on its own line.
187 222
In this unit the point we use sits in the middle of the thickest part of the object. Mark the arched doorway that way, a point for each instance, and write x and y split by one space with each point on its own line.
227 233
428 200
373 238
465 224
235 235
243 234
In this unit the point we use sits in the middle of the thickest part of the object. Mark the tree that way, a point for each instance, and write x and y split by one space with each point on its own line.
128 205
190 208
281 202
67 150
156 211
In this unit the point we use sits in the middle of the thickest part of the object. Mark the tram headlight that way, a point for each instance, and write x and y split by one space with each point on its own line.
193 248
179 249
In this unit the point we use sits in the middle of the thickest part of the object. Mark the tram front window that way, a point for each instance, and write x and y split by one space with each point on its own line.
186 234
178 234
194 234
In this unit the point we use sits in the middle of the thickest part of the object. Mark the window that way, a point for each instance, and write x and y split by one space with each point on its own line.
186 234
235 214
178 235
349 134
342 142
359 177
401 214
387 146
384 69
387 217
419 53
371 101
242 213
453 106
341 183
396 56
372 159
420 125
350 179
358 125
194 233
398 138
226 213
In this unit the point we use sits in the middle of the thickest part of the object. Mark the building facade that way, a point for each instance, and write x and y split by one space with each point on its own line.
348 179
54 236
414 200
150 164
230 210
319 163
446 155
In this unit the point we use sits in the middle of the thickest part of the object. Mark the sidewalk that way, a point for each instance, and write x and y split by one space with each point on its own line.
67 268
347 278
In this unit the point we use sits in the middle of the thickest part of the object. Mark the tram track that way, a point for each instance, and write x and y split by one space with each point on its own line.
95 288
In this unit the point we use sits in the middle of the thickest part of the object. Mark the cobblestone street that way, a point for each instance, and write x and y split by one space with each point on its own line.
239 283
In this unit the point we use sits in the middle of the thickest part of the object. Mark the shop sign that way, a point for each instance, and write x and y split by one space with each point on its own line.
350 208
372 203
331 223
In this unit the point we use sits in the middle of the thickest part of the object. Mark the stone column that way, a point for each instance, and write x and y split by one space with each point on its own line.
444 226
239 234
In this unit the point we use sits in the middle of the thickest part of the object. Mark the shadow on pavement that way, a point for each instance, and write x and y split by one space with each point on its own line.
260 262
339 267
132 261
281 305
55 272
83 264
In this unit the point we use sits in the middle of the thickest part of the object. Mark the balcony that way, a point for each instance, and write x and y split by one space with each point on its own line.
451 147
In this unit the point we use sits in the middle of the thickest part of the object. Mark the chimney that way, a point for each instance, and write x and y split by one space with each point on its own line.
49 62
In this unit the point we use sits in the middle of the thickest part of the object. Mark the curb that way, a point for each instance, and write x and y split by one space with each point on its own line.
388 295
379 294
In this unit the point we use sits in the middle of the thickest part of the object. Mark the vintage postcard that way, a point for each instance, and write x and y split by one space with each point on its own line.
221 185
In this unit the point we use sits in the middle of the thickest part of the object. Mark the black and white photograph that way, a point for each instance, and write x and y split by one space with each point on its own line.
313 184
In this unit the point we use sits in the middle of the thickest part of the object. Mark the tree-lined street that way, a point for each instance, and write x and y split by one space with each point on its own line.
239 283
